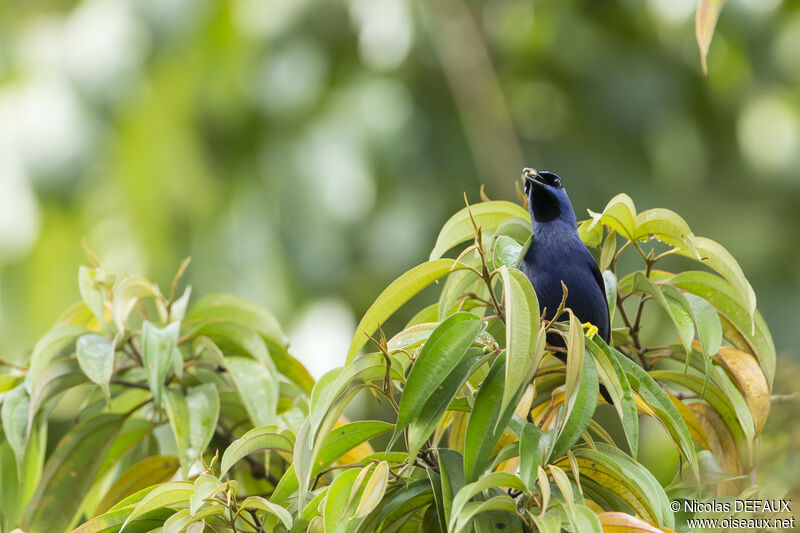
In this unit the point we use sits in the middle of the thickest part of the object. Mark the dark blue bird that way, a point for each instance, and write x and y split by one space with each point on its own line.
557 254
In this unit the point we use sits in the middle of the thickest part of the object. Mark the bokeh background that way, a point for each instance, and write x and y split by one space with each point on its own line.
304 153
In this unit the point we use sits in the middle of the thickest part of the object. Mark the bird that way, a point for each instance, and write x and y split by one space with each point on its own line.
557 255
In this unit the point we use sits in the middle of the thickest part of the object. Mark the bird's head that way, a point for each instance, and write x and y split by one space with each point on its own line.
547 198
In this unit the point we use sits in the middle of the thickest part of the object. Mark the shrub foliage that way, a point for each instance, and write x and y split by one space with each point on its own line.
193 417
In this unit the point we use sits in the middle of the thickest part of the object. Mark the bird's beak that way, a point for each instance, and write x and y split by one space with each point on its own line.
531 178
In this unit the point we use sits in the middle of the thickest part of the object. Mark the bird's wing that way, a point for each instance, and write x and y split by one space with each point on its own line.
598 277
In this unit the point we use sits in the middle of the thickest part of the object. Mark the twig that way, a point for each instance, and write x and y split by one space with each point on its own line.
6 362
784 398
129 384
613 265
560 308
176 280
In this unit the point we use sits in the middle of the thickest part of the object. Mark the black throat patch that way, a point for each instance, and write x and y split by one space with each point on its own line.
545 205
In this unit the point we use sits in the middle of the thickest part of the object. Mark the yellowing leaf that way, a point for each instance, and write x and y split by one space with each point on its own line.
127 293
615 471
751 382
695 429
705 21
147 472
618 522
721 443
374 490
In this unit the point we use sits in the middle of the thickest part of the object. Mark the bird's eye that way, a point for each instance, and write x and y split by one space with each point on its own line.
557 183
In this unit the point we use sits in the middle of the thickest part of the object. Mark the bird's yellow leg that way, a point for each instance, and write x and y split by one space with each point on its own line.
591 329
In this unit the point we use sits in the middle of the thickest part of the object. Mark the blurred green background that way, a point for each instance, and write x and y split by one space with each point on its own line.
304 154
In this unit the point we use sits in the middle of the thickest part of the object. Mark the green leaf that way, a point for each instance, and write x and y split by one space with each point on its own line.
95 356
394 296
257 439
487 420
487 215
494 479
608 251
667 227
261 504
429 416
522 319
57 377
579 412
565 487
655 397
157 347
627 479
340 441
177 311
193 417
150 471
233 337
590 233
458 285
14 413
166 495
576 351
133 431
516 227
586 520
506 252
411 337
329 398
535 447
706 319
90 287
241 310
258 388
127 292
451 468
715 256
205 487
48 348
549 522
19 482
619 388
290 367
60 493
112 521
704 23
673 305
400 506
335 513
428 314
738 326
727 401
501 502
619 215
440 355
374 489
610 284
180 521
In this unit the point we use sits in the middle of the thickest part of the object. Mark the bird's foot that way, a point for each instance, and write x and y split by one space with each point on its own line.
591 329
